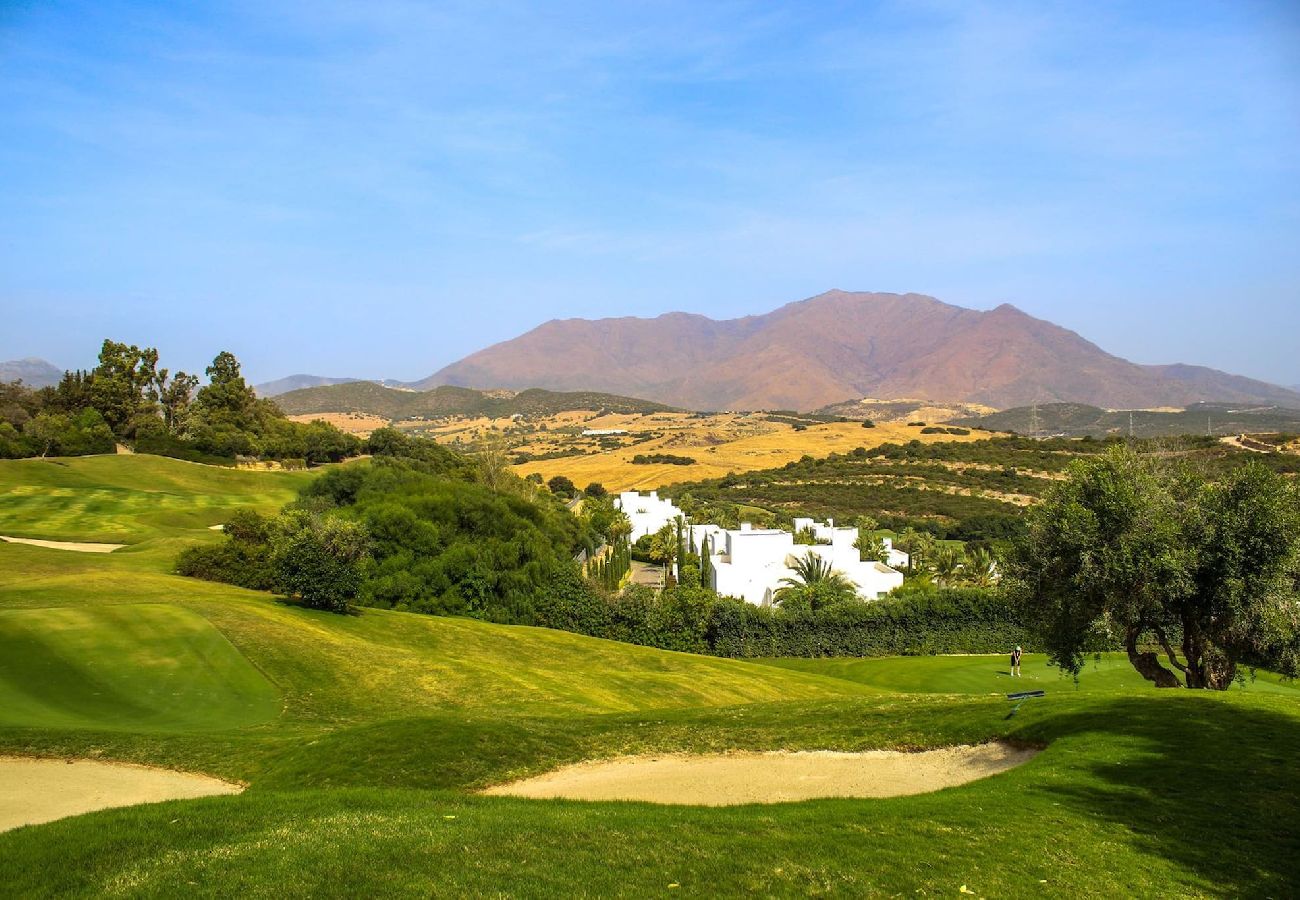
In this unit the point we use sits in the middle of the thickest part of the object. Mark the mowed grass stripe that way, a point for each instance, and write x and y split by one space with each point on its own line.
128 499
129 667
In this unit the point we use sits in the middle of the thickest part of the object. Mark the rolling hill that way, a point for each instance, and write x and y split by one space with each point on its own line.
296 383
839 344
393 403
1078 420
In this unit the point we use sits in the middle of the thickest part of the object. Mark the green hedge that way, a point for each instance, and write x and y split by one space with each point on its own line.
957 620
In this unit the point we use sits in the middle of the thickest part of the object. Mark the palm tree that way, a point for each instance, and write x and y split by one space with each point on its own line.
946 561
981 567
814 585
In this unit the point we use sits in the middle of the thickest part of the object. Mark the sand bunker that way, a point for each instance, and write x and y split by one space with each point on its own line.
75 546
778 777
42 790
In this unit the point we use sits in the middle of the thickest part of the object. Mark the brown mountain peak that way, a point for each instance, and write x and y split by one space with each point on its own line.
841 344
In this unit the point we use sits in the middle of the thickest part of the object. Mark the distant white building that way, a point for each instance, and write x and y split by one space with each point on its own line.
646 513
751 563
601 432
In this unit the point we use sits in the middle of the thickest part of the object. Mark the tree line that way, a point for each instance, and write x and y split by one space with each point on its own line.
128 398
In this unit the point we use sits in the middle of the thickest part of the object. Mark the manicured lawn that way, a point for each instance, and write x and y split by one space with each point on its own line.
363 740
1108 673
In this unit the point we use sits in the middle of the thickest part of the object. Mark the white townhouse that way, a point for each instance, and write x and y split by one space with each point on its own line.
751 563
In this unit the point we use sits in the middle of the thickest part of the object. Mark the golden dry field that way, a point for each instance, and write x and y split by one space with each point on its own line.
718 443
360 424
564 443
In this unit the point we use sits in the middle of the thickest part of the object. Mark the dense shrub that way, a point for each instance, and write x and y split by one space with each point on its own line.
437 541
670 459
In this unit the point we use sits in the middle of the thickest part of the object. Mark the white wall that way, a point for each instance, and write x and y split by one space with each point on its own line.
647 512
750 563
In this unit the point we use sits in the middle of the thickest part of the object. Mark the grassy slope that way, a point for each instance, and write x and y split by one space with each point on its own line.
360 784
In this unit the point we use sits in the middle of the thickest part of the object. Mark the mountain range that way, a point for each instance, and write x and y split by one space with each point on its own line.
33 372
841 345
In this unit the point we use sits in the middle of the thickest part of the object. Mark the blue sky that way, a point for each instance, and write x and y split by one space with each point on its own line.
379 188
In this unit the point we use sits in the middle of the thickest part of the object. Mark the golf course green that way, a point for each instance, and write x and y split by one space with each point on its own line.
364 741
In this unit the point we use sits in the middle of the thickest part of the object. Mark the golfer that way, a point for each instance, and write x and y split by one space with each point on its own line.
1015 663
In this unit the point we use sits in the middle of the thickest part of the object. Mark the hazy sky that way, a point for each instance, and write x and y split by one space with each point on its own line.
378 188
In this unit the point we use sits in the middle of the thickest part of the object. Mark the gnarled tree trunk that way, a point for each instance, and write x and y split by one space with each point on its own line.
1148 664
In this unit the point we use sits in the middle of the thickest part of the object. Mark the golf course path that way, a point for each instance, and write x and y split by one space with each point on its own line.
775 777
42 790
75 546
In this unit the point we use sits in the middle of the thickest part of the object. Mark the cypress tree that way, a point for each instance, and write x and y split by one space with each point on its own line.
705 564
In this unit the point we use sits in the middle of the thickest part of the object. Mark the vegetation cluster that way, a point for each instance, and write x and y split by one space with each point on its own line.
973 491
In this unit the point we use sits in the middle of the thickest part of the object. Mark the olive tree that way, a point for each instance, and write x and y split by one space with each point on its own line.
1138 547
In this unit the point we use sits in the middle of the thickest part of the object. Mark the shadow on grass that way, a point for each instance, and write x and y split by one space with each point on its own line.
1207 783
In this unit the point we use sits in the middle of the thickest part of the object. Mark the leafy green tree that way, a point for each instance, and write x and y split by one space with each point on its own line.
1141 546
119 388
318 559
174 396
814 585
72 394
595 489
561 486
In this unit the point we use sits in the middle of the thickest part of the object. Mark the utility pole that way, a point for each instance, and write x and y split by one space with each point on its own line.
1130 424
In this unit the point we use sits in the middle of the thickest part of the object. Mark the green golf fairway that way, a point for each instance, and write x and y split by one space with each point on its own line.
123 500
364 740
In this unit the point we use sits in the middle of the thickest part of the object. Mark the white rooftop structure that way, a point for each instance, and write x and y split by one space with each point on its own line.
751 563
646 513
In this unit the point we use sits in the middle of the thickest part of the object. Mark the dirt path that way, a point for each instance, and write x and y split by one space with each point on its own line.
777 777
75 546
42 790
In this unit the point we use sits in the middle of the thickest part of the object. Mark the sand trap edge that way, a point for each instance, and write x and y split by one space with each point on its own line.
35 790
74 546
780 776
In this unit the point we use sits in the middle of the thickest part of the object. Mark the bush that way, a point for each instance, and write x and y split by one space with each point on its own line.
867 423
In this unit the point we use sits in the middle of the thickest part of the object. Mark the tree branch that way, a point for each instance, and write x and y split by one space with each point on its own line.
1169 651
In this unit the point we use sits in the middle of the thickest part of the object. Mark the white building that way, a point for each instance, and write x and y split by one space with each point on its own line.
647 514
751 563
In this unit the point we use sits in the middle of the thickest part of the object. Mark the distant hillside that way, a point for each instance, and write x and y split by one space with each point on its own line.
33 372
1078 420
391 403
296 383
902 410
818 351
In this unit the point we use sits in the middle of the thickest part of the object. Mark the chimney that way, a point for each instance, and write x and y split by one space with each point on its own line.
746 526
